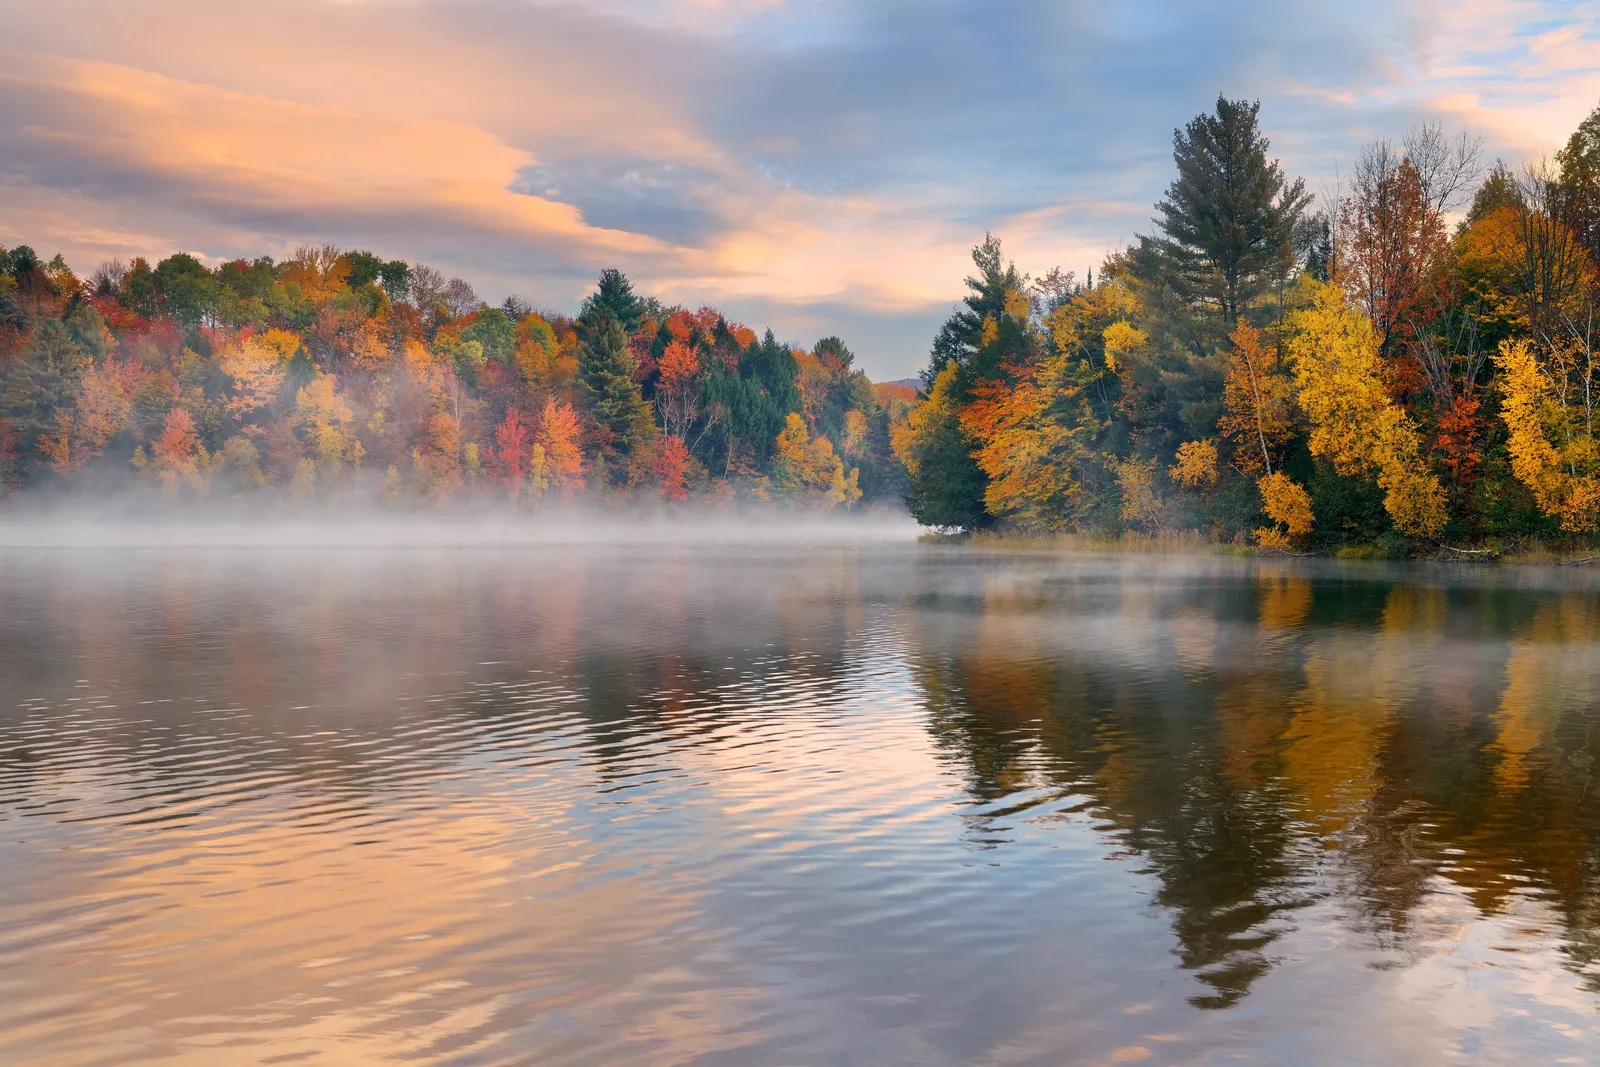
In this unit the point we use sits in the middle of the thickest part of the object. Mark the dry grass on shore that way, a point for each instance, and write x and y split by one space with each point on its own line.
1192 542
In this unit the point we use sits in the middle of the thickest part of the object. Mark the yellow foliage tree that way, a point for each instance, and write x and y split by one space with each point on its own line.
1123 341
1549 410
1288 505
323 417
853 441
1196 466
1257 401
1141 504
102 408
806 466
911 437
257 368
1355 424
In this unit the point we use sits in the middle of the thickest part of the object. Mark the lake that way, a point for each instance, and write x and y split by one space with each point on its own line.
792 800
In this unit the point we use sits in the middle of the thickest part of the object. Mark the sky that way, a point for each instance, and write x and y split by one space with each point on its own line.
817 166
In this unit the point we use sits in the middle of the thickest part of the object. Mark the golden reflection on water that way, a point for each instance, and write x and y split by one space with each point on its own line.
904 806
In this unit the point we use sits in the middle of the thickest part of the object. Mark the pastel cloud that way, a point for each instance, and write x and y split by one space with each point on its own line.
794 161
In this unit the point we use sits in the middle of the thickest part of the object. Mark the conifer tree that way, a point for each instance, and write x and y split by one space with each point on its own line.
606 368
615 295
1229 219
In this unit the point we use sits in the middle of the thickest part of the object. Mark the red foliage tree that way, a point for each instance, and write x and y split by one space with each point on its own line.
671 470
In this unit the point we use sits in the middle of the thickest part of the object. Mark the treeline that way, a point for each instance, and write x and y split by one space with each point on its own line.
1411 360
337 374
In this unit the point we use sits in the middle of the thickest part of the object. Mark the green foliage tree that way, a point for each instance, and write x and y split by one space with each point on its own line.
395 279
1498 190
606 375
495 332
973 346
34 386
750 403
945 486
615 295
185 289
960 338
1228 221
364 268
1577 190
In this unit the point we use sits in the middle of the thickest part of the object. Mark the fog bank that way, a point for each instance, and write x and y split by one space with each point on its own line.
85 527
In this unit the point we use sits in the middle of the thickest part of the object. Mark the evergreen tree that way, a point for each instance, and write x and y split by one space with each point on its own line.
961 337
754 401
606 369
615 296
1498 190
39 383
1578 187
974 345
1228 221
945 487
1319 253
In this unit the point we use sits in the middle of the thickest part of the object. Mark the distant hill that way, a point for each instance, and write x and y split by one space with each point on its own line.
899 396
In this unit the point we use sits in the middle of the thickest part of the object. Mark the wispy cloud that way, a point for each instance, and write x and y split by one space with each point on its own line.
796 161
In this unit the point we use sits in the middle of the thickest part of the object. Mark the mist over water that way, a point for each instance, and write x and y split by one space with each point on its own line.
142 520
494 791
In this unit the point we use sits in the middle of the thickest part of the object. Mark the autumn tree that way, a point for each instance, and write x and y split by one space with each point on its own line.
1393 250
1031 435
1141 499
1355 423
102 409
1549 408
1258 403
1288 506
672 470
176 457
677 398
558 452
806 467
1195 466
512 452
259 368
323 417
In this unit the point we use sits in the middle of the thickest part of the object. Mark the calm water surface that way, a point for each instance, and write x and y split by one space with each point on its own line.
886 804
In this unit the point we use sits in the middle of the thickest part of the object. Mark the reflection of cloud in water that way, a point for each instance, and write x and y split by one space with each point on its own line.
658 804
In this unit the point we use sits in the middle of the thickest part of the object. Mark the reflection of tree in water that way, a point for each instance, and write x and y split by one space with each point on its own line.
1144 744
432 654
1537 828
1354 740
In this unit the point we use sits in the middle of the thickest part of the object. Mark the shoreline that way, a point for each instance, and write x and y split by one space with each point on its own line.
1531 553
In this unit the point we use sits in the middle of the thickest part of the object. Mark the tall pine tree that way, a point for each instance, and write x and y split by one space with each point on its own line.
620 414
1229 219
615 295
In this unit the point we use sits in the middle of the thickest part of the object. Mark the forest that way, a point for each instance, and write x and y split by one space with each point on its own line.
339 376
1403 360
1407 359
